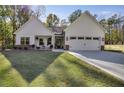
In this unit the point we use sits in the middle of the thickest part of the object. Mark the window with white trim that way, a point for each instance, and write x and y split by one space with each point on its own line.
66 38
79 38
72 38
25 41
95 38
88 38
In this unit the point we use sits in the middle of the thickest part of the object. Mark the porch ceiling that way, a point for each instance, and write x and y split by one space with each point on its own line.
43 35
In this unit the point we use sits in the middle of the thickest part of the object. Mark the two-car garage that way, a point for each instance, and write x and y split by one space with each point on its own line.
83 43
85 33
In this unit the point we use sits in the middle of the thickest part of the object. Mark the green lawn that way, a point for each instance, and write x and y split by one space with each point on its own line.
115 48
45 68
9 77
30 63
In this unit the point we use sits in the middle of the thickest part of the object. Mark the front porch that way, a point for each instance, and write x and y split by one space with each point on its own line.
49 42
43 42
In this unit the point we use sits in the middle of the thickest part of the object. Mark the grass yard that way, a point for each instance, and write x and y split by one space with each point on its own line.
30 63
115 48
9 77
49 69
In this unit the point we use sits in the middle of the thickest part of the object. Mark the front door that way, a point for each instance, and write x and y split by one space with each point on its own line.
59 42
41 43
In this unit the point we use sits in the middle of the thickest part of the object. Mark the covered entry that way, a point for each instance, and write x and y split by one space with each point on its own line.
43 41
59 42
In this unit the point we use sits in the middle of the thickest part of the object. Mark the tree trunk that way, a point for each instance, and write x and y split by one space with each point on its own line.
109 35
123 33
13 37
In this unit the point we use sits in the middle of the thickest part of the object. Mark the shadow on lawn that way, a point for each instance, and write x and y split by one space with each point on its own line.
58 74
30 63
68 71
96 74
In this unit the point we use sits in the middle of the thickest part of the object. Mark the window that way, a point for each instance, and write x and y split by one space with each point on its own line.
66 38
103 39
41 41
25 40
22 40
88 38
72 38
80 37
48 41
95 38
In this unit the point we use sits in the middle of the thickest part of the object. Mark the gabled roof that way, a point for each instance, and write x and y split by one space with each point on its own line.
28 22
92 18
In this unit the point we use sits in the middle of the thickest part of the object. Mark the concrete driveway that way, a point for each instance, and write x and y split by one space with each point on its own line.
110 62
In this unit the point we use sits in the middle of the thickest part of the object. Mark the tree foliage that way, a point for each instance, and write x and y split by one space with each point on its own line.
113 25
63 23
52 20
74 15
11 18
39 11
5 27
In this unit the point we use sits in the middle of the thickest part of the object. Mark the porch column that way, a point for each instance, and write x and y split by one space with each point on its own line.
45 41
53 41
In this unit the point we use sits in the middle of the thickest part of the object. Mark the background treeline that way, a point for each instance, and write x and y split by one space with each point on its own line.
12 17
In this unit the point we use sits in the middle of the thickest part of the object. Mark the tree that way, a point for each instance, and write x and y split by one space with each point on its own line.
52 20
63 23
103 22
74 15
123 34
113 24
110 22
4 26
13 17
39 11
18 16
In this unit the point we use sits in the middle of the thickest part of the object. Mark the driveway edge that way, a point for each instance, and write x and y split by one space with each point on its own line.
90 62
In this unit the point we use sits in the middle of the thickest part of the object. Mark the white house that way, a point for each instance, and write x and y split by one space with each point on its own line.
83 34
33 32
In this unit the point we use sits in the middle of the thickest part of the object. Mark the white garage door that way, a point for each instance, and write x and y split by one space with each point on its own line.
92 45
85 44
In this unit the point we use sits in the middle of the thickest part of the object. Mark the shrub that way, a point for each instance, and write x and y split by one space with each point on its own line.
38 47
9 46
25 48
51 46
15 47
3 48
20 47
32 46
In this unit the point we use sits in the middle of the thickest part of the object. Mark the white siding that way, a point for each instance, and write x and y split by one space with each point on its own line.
18 39
86 27
31 29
